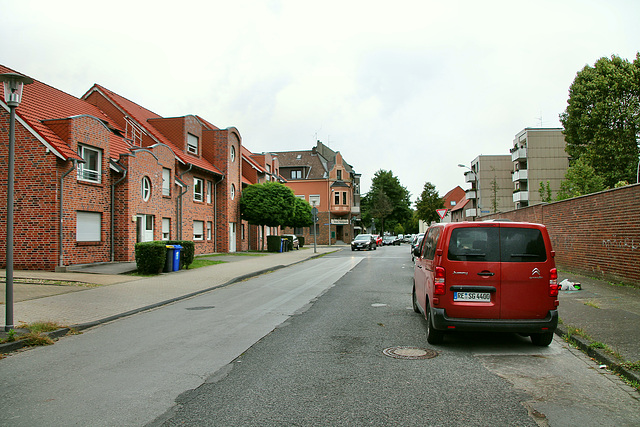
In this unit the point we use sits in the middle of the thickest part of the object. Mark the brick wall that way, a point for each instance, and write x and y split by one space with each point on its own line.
597 235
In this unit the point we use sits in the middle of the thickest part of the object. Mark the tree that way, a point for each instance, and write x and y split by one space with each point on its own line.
398 196
380 207
602 119
580 179
494 191
302 216
427 204
545 192
271 204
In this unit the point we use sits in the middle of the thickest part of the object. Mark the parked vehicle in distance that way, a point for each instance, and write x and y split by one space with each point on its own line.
378 239
487 276
364 241
296 242
390 240
415 243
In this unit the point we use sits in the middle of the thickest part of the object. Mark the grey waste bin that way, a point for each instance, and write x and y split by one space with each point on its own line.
168 263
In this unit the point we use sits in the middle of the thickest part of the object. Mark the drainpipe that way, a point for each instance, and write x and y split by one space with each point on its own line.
215 213
113 190
60 231
179 205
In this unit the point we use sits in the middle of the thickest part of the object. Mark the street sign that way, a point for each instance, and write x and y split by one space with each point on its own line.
441 213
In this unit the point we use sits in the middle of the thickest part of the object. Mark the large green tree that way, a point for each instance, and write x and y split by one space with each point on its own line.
580 179
399 199
427 204
270 204
602 119
302 216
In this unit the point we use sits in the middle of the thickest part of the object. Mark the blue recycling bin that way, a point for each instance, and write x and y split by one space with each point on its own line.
168 263
176 257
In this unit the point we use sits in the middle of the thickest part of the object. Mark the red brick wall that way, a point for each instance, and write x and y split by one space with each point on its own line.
597 235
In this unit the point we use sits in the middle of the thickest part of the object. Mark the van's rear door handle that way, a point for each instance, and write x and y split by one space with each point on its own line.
486 273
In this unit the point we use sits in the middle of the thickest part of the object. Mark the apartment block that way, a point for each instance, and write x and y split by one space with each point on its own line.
491 186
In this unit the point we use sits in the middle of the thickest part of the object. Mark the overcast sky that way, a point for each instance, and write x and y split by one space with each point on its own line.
415 87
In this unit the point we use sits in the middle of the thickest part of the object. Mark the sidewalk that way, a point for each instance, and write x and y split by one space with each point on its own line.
606 313
120 295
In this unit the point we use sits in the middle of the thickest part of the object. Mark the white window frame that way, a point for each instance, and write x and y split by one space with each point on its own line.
314 198
233 191
198 194
209 228
198 230
84 172
166 182
209 190
146 188
166 228
88 226
296 174
232 153
193 144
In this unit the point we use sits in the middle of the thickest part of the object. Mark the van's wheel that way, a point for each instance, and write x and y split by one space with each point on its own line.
543 339
434 336
414 300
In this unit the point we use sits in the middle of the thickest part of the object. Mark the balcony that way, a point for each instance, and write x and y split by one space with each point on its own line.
470 194
521 175
469 176
470 213
520 196
355 210
518 154
340 210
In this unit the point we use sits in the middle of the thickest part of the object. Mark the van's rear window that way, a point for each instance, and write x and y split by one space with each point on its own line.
493 244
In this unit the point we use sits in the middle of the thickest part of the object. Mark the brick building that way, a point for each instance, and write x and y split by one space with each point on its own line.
324 179
98 174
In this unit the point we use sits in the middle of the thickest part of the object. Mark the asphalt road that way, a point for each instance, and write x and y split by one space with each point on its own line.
327 366
305 346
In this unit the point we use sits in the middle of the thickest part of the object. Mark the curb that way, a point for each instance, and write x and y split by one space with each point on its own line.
600 356
18 344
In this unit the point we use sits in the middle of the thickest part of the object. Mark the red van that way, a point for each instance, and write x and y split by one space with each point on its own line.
487 276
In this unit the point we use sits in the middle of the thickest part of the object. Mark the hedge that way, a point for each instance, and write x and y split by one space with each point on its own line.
151 256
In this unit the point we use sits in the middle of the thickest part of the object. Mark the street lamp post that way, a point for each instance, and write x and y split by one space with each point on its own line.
13 84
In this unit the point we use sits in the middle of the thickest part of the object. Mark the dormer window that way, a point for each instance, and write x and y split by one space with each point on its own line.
192 144
339 172
91 169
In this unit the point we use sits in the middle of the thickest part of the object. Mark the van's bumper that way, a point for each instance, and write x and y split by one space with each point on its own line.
442 322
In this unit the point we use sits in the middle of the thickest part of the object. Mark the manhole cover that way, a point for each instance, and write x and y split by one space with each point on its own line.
206 307
412 353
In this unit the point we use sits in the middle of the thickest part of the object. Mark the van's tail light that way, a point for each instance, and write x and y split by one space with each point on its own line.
439 288
553 282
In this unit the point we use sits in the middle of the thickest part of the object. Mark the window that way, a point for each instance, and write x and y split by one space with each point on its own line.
344 197
336 197
88 226
209 227
301 197
146 188
91 170
314 200
209 187
198 185
339 173
233 191
198 230
232 153
166 228
296 174
166 182
192 144
242 231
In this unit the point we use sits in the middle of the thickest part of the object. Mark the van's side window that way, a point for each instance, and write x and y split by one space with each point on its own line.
430 243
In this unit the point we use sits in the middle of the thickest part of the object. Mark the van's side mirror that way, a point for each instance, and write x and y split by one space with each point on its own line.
416 251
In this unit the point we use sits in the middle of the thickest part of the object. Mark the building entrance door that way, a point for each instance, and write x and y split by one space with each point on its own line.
232 237
144 228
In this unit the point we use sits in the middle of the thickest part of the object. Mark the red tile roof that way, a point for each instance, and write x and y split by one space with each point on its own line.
42 102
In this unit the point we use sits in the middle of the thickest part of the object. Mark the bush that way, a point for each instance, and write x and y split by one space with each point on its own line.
150 257
274 243
188 252
300 241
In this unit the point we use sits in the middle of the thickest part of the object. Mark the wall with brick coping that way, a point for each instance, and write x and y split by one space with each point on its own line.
597 235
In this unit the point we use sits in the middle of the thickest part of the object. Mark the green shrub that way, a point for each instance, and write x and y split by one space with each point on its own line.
150 257
274 243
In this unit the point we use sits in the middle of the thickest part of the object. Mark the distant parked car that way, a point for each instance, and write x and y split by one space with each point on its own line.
378 239
364 241
390 240
296 242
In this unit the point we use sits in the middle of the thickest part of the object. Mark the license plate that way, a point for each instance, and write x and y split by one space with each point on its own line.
472 296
